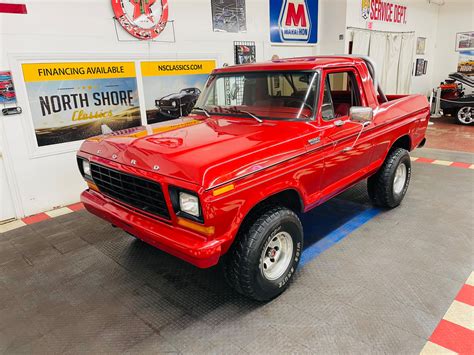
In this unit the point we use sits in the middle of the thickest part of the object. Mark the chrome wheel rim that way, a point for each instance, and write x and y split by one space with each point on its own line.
276 256
466 115
400 178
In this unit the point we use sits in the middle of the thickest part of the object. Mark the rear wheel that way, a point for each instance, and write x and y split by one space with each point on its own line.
266 254
388 186
465 115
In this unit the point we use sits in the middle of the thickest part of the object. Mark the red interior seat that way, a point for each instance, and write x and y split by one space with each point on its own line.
341 109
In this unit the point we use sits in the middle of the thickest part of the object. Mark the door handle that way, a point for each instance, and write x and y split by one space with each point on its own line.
339 123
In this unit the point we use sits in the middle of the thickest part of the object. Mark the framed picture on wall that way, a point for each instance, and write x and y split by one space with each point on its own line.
228 16
466 63
7 91
420 45
420 64
244 52
464 41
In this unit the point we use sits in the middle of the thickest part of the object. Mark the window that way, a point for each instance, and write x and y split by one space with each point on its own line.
267 94
340 94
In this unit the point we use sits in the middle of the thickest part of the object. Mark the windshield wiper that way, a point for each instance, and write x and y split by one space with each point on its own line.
206 112
258 119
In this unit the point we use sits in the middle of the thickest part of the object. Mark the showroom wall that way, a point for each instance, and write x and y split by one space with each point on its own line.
454 16
81 30
427 27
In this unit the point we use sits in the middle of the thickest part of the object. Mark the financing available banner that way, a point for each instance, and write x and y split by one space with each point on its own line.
172 87
71 101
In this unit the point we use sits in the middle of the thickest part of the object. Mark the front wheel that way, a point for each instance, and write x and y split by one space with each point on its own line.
266 254
388 186
465 115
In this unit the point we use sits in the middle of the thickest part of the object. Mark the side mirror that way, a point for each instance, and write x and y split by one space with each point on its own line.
361 114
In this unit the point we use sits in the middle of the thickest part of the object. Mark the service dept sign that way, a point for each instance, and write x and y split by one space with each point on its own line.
143 19
378 10
294 21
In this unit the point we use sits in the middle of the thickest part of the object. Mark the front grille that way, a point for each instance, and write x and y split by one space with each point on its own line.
142 194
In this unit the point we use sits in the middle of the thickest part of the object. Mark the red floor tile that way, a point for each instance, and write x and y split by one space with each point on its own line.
424 160
36 218
461 165
466 295
76 207
453 337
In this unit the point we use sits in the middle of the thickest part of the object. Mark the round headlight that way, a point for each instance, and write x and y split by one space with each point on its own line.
189 204
173 104
86 168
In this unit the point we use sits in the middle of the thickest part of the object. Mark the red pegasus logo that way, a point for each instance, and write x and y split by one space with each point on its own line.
142 7
143 19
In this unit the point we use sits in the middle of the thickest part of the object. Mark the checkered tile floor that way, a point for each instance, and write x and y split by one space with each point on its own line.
72 283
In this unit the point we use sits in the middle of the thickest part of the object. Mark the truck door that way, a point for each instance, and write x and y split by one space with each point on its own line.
348 161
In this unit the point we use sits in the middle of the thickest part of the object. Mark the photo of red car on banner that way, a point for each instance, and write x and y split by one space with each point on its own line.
7 92
143 19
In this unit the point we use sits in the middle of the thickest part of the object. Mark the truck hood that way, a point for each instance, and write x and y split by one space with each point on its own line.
205 152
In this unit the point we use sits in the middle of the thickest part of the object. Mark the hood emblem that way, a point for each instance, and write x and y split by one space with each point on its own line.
114 156
156 167
99 151
133 162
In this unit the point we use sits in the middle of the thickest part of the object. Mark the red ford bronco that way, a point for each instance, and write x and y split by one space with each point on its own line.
264 142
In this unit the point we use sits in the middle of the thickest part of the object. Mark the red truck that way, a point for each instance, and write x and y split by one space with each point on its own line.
265 142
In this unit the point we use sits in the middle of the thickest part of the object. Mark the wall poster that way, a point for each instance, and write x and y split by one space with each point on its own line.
464 41
7 91
172 87
420 64
294 21
466 63
228 16
71 101
244 52
420 45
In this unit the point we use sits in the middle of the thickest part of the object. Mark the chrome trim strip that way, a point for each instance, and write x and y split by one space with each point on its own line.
267 167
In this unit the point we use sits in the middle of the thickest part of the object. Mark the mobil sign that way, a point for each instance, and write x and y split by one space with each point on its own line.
294 21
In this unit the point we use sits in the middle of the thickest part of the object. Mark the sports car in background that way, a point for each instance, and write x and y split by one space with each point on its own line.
454 101
8 93
178 104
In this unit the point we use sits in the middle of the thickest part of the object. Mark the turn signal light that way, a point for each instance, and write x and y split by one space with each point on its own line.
222 190
196 227
92 186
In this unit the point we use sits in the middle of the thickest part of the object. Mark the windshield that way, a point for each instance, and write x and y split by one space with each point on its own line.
268 95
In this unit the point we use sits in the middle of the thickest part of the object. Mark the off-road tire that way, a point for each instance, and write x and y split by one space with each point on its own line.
380 186
242 263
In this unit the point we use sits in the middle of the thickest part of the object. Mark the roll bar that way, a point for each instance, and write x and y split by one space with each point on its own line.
372 70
